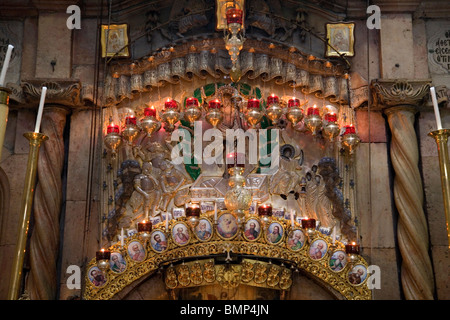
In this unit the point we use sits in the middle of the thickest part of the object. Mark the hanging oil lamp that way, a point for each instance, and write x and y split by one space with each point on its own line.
313 120
349 138
113 139
130 131
330 127
171 115
253 114
192 111
274 110
214 116
149 123
294 113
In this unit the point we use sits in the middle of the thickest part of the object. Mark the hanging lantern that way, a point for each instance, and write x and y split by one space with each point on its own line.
234 42
273 110
350 139
330 128
113 139
313 120
214 116
192 111
295 113
130 132
253 114
171 115
149 123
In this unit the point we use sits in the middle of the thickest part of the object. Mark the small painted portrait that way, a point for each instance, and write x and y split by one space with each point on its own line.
318 249
274 233
252 230
158 241
357 275
180 234
338 261
203 230
227 226
117 263
96 277
136 251
296 239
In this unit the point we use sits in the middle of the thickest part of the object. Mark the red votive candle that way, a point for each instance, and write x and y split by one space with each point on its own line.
145 226
313 110
253 103
272 99
170 104
191 102
293 102
214 104
103 255
330 117
352 248
308 223
150 112
234 16
130 120
265 210
112 128
349 130
232 160
193 211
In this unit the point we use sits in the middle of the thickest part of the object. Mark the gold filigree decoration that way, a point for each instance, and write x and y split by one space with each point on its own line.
249 272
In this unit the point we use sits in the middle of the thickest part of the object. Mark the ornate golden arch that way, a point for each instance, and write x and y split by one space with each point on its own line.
204 252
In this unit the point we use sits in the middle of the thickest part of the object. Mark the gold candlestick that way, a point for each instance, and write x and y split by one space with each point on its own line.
4 110
35 140
441 137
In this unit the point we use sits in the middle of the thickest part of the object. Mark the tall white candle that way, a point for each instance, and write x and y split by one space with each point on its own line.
334 235
292 218
167 221
121 237
41 109
5 65
215 211
436 108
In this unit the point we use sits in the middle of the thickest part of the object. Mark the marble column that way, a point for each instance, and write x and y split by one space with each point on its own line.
400 100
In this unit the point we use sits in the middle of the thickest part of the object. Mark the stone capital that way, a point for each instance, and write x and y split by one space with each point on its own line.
65 93
399 93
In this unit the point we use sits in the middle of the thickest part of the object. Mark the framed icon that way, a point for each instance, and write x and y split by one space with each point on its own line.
136 251
318 249
117 262
227 226
158 241
252 229
341 39
296 239
114 41
357 275
97 277
204 230
180 234
338 261
274 233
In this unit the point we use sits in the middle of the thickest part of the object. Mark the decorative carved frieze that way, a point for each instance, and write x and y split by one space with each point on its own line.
399 92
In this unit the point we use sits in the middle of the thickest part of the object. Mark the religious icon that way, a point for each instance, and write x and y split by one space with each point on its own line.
117 262
338 261
180 234
158 241
318 249
357 275
296 239
274 233
252 230
227 226
96 277
341 38
203 231
136 251
114 41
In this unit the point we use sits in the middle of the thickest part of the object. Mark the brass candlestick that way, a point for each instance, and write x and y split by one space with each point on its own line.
441 137
4 110
35 140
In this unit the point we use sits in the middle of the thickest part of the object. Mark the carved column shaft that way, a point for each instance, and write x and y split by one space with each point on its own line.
400 100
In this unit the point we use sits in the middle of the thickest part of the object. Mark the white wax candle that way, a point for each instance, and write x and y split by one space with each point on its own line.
167 221
41 109
436 108
121 237
5 65
292 218
215 211
334 235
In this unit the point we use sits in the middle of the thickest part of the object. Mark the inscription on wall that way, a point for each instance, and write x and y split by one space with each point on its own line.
439 51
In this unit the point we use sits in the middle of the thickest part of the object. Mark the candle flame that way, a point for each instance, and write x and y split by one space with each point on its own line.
353 243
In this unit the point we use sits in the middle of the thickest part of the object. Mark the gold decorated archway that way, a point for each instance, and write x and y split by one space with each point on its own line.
255 251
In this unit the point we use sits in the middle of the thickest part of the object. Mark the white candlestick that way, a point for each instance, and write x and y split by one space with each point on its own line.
5 65
436 108
292 218
334 235
167 221
121 237
41 109
215 211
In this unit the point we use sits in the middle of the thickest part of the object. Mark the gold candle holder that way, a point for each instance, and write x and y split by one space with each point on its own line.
35 139
4 110
441 137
